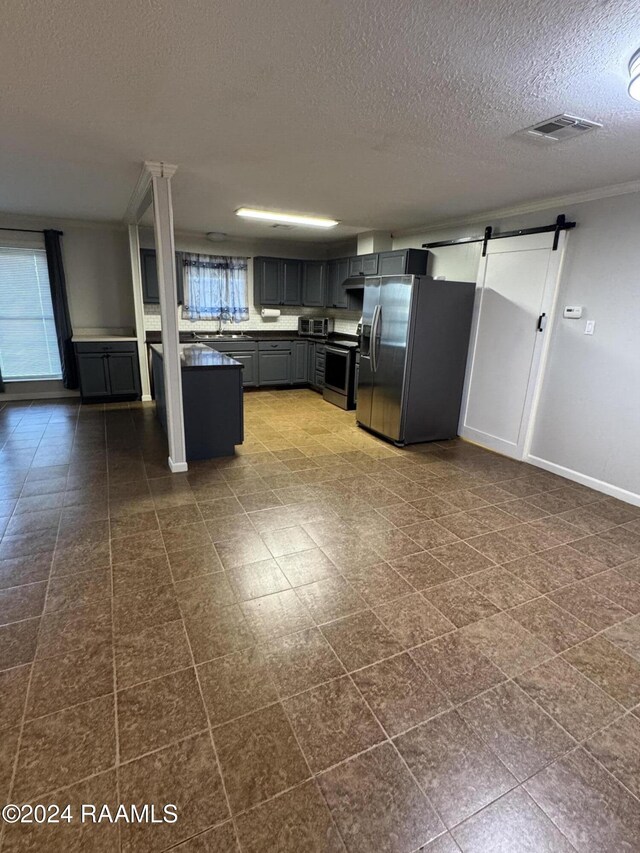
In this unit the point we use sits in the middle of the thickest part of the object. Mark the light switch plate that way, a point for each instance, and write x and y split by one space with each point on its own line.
589 327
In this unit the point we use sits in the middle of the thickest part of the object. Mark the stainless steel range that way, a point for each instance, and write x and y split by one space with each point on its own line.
339 373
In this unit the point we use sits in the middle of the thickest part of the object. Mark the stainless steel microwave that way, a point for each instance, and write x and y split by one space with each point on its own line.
316 327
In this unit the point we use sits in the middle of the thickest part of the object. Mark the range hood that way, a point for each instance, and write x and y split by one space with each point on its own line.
354 282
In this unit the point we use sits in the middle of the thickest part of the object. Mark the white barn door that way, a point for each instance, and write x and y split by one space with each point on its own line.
515 296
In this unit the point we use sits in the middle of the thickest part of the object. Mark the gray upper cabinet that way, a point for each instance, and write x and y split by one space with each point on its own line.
314 284
337 272
150 291
291 282
363 265
403 262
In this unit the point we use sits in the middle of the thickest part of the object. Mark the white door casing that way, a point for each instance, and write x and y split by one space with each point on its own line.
517 284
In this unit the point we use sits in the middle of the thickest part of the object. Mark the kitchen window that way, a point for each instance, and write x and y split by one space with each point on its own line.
28 341
215 288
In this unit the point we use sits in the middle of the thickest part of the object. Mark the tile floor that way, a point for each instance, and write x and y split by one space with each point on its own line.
324 643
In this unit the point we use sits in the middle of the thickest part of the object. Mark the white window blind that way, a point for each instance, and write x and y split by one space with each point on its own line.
28 344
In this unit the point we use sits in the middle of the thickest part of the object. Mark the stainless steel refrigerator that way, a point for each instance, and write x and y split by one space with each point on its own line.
413 354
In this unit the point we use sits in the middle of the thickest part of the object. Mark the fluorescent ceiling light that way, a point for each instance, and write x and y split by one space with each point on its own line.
291 218
634 73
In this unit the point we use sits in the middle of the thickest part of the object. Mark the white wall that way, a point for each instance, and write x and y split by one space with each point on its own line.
97 268
588 419
345 321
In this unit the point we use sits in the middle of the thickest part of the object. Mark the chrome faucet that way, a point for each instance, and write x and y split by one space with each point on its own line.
220 321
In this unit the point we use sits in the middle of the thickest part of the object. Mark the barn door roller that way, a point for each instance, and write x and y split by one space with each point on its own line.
559 225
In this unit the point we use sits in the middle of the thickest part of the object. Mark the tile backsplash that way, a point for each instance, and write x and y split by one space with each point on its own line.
345 322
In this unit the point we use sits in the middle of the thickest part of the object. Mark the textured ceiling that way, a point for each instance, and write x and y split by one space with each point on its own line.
384 114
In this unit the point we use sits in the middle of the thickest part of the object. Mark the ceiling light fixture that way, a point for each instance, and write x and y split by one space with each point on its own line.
634 73
291 218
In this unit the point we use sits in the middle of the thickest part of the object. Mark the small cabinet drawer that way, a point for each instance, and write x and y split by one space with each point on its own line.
231 346
274 345
106 346
320 350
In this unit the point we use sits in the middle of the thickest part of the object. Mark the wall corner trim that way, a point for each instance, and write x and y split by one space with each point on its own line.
177 467
585 480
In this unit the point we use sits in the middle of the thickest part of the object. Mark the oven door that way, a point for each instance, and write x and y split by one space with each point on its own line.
337 369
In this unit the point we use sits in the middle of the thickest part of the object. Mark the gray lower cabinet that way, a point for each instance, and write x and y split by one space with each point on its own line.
299 361
108 370
246 352
275 367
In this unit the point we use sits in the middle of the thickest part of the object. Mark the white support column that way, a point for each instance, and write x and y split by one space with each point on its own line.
136 277
161 174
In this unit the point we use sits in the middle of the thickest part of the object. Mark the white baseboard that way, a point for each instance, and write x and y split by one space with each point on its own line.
177 467
585 480
147 398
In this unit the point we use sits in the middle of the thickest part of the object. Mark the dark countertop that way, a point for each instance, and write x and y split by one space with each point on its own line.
198 356
260 335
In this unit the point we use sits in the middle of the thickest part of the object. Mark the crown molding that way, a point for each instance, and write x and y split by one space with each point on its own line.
526 207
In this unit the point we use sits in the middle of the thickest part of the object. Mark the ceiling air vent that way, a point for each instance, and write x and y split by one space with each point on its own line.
558 129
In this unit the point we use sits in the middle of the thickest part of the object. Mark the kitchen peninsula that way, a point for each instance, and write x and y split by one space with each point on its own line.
211 396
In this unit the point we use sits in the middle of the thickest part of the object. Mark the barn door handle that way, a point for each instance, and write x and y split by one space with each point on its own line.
542 322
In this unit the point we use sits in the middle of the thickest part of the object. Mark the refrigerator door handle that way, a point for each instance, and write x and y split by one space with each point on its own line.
374 336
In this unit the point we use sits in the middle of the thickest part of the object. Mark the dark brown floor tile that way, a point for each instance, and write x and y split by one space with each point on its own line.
145 608
178 516
586 804
139 545
515 728
201 595
240 551
402 514
443 844
437 506
146 653
217 633
9 743
330 599
390 544
288 540
513 824
80 558
412 620
259 757
456 770
158 712
589 606
87 533
502 588
350 552
306 567
498 548
553 626
602 550
463 525
360 640
28 521
430 534
460 602
13 689
276 615
49 758
575 702
506 643
79 590
399 693
499 518
26 544
461 559
296 821
257 579
184 774
618 749
220 839
377 804
421 570
300 661
24 570
629 570
617 588
68 630
186 536
193 562
22 602
609 667
540 574
463 499
236 684
530 537
456 667
377 584
129 525
69 679
626 635
140 574
332 723
18 643
229 527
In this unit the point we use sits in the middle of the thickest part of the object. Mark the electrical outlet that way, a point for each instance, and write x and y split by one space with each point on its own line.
589 327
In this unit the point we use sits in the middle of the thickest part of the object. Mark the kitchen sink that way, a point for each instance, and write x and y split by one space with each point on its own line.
222 337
